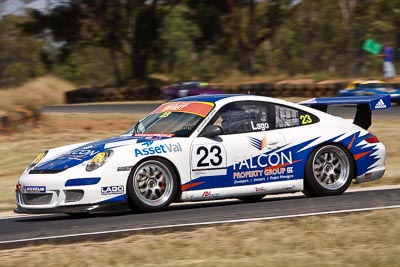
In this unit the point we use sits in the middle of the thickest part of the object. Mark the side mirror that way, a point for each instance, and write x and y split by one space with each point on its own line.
211 131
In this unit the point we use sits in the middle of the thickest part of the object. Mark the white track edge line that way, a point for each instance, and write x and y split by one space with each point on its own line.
202 224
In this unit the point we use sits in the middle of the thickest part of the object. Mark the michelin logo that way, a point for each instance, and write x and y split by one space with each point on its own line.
380 105
34 189
112 190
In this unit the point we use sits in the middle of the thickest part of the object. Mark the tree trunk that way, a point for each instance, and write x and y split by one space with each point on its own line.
116 65
347 7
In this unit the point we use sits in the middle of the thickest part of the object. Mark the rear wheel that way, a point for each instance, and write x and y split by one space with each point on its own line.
152 186
329 171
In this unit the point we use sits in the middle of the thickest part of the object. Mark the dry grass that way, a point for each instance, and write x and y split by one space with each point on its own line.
351 240
388 132
34 94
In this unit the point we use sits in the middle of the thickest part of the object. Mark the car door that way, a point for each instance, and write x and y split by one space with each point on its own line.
240 156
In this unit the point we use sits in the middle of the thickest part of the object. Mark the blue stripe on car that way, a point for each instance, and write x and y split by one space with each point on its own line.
82 181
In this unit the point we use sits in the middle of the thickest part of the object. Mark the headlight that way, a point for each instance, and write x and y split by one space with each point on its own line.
98 160
38 159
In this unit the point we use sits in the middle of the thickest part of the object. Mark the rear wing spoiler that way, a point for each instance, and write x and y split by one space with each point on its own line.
365 105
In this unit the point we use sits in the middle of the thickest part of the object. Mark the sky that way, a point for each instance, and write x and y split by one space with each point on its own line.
17 6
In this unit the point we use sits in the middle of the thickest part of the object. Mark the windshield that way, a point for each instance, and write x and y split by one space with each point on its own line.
172 119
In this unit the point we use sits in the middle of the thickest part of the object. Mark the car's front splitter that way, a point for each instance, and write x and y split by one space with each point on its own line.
101 207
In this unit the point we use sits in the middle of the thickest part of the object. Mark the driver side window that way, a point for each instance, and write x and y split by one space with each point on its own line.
243 117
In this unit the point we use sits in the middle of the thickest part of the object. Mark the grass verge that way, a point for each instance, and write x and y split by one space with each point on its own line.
349 240
46 90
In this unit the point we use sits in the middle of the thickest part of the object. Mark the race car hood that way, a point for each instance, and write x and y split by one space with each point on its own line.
86 152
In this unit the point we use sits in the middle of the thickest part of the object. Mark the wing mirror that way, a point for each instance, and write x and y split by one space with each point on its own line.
211 131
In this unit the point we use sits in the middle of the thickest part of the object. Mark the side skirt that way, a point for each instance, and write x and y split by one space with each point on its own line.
245 190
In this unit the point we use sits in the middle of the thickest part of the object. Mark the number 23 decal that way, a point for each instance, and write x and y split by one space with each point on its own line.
210 156
305 119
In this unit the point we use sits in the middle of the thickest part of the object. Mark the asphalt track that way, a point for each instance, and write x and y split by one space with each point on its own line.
22 231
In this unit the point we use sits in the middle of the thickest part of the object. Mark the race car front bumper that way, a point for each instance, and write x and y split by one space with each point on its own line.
78 209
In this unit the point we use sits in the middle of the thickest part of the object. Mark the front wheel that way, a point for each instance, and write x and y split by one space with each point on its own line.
152 185
328 172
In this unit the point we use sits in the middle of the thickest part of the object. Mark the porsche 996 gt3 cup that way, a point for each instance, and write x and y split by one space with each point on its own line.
210 147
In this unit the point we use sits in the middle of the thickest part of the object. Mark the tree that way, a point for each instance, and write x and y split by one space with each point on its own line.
127 28
347 8
19 55
177 43
253 27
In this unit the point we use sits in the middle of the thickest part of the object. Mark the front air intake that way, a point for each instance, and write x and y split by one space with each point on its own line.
36 199
44 171
73 195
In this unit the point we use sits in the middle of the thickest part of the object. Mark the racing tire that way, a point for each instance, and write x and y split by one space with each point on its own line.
152 186
251 198
329 171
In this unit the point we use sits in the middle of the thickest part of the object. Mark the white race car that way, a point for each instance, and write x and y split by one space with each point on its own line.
210 147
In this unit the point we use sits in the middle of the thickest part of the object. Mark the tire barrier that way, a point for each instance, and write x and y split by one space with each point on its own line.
19 118
288 88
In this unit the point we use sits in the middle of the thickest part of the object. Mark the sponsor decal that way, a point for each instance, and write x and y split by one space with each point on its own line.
34 189
175 106
165 115
259 144
147 143
124 168
263 168
188 127
156 135
261 189
198 108
209 194
263 160
368 175
160 149
82 153
259 126
39 158
291 187
380 104
112 190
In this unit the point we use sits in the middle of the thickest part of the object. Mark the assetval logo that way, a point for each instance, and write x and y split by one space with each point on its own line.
159 149
259 144
380 105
